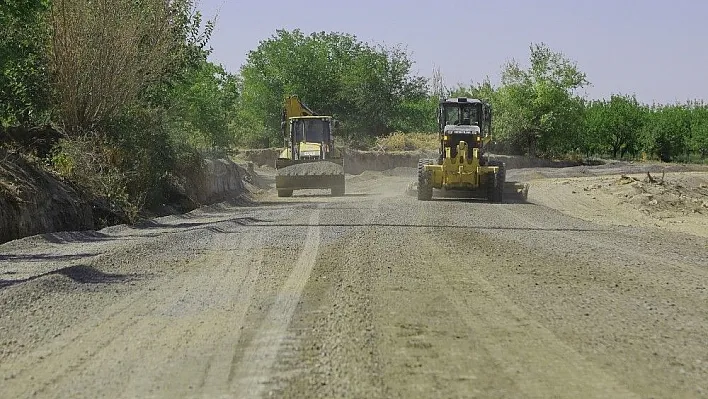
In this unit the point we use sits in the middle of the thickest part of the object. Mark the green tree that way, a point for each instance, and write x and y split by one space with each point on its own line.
369 88
122 72
24 88
483 91
537 108
698 142
667 131
594 121
615 125
383 94
107 55
204 107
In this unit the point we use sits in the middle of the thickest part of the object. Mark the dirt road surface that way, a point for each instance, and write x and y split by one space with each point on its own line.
371 295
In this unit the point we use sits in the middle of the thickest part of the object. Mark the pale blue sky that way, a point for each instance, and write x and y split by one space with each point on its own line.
657 50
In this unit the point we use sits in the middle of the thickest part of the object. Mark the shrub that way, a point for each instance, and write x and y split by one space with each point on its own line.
398 141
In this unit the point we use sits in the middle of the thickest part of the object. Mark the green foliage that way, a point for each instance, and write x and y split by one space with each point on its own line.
369 88
416 115
24 89
614 126
667 131
138 132
698 140
90 161
537 108
398 141
204 106
106 53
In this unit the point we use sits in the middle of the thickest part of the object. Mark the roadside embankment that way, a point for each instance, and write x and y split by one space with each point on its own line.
36 201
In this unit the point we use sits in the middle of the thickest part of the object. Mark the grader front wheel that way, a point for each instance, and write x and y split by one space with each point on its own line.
495 183
425 185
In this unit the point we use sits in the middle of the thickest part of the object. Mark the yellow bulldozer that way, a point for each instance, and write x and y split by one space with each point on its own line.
465 127
309 159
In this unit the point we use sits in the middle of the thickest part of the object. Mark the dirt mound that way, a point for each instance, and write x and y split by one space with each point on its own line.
261 156
355 161
520 162
222 180
660 196
675 200
33 201
312 169
401 172
608 168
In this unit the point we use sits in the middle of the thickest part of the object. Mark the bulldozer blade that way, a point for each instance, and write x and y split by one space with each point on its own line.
301 182
316 174
515 191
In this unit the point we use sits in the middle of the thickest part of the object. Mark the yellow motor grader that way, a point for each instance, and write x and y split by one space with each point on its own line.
465 127
310 159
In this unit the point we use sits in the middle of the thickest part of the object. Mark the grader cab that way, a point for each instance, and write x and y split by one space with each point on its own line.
465 127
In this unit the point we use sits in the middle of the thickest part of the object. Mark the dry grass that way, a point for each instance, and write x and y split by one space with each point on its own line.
104 53
398 141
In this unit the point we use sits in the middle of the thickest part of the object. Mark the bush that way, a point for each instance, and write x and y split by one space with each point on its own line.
91 162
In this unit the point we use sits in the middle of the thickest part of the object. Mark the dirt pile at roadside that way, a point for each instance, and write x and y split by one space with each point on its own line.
355 161
660 196
677 201
33 201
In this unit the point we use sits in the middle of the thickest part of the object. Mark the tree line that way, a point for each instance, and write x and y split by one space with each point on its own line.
129 87
539 111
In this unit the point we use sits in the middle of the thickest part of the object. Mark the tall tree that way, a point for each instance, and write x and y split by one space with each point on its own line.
369 88
537 108
698 142
204 105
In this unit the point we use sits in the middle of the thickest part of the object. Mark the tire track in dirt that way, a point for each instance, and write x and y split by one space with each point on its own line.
539 363
205 326
97 355
638 315
604 243
250 374
332 351
218 370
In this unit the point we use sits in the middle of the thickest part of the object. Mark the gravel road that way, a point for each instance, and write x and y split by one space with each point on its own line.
373 294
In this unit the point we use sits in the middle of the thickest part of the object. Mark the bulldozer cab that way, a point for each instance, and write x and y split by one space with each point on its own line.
310 137
311 130
463 119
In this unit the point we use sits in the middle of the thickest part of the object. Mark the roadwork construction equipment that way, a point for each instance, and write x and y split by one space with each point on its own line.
465 127
310 159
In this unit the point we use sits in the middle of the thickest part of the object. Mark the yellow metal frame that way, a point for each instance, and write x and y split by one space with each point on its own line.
461 171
